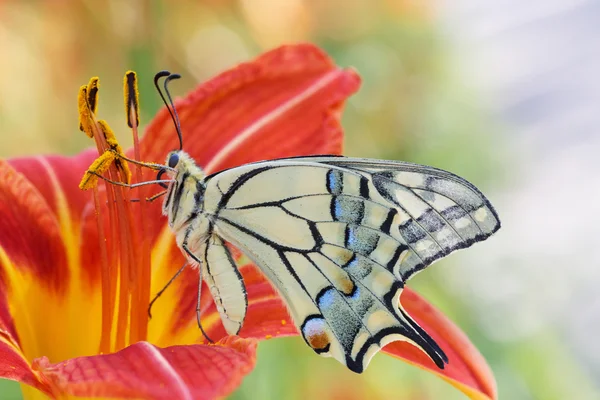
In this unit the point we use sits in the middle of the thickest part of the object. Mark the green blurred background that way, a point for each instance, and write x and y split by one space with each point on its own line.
423 99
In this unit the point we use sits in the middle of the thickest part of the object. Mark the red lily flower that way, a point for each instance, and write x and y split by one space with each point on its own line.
76 273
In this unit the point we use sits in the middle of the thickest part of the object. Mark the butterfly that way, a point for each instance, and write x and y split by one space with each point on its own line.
337 237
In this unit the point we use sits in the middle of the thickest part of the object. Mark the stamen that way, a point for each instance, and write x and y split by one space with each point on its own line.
119 272
132 96
116 148
92 94
126 249
86 120
124 243
108 305
141 288
98 167
88 125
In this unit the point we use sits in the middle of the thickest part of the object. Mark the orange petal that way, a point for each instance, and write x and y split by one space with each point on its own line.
467 370
284 103
146 371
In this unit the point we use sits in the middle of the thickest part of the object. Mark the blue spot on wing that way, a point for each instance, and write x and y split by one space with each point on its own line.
351 238
327 299
338 209
335 181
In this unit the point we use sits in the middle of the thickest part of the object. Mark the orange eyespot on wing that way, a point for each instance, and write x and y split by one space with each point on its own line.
314 332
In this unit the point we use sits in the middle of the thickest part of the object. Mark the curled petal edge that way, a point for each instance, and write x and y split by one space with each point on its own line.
143 370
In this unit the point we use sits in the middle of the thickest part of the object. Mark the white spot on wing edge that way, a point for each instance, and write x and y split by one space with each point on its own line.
247 133
481 214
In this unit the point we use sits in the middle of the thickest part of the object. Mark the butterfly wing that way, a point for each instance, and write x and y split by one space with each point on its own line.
439 212
338 237
225 284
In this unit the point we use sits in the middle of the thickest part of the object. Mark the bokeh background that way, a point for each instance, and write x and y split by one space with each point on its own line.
503 92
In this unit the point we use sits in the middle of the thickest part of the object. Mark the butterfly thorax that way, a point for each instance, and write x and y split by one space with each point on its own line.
184 201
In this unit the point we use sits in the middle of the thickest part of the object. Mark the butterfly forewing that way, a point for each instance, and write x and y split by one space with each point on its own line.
338 237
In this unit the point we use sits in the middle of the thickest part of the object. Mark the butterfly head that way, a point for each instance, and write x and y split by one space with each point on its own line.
185 189
173 159
180 163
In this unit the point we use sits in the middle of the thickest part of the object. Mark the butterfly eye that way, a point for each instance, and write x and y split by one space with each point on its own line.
173 160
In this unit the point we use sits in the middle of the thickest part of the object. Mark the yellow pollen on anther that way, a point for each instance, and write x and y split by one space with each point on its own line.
111 139
86 120
92 94
126 262
132 98
98 167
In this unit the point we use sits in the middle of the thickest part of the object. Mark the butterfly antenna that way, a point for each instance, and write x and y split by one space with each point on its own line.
169 104
176 116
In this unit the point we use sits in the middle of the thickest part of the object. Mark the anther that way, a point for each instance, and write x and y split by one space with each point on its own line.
132 97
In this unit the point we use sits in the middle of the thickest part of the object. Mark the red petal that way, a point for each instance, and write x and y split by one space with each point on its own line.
467 370
14 366
146 371
29 231
30 245
267 314
30 240
284 103
267 317
57 179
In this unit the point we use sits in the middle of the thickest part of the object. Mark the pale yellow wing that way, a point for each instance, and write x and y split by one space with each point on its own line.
338 238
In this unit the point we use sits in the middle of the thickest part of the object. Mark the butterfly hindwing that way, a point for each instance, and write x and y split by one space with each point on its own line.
225 283
338 238
346 311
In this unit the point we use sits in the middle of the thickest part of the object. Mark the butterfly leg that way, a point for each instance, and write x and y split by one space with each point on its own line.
148 199
161 291
149 165
156 196
196 259
129 185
